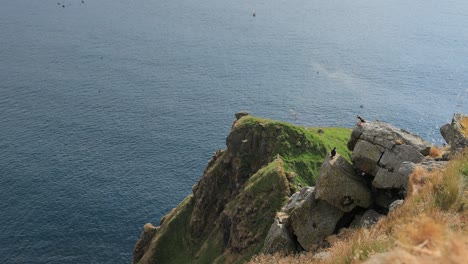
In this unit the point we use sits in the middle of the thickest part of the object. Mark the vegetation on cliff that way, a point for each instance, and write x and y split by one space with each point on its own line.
228 216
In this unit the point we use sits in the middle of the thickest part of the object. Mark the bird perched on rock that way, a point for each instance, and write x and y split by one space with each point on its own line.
333 153
360 119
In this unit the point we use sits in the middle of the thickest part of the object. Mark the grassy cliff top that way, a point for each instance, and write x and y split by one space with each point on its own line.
302 148
246 184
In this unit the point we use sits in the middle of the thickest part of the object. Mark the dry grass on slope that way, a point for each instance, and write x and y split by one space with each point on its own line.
430 227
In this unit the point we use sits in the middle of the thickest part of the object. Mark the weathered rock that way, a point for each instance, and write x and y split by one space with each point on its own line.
386 180
366 156
392 159
387 136
369 218
240 114
395 205
297 199
407 168
380 149
456 133
279 238
314 221
338 185
321 256
149 231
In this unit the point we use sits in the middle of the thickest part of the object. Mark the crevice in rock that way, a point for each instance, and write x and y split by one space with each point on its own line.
348 218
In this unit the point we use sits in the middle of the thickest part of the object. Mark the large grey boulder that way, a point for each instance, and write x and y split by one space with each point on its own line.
387 136
338 185
456 133
386 179
379 149
279 238
314 221
366 156
407 168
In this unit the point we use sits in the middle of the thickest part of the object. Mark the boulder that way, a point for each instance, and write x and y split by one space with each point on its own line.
338 185
385 179
313 221
369 218
297 199
387 136
456 133
380 149
241 114
279 238
407 168
392 159
366 156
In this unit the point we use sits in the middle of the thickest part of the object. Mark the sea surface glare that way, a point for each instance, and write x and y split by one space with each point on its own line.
110 109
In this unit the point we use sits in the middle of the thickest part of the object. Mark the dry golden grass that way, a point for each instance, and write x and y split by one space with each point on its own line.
430 227
435 152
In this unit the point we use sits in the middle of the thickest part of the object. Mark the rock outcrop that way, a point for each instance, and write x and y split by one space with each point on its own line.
456 133
314 221
379 150
339 185
279 238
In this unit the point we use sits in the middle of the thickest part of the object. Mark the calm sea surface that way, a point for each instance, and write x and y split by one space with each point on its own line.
109 110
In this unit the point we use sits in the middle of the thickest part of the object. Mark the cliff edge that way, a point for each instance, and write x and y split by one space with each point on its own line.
229 214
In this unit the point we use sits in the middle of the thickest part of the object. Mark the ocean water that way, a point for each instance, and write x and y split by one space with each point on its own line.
110 109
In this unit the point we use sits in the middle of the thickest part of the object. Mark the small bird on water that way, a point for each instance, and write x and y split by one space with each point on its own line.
333 153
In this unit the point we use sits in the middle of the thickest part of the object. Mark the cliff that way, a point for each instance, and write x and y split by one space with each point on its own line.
247 202
228 216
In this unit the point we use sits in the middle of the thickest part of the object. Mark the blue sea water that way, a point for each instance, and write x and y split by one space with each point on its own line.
110 109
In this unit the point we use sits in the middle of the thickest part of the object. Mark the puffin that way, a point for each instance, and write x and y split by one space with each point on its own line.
360 119
333 153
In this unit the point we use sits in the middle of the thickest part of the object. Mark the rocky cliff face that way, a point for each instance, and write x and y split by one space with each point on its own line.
252 183
456 133
229 214
355 194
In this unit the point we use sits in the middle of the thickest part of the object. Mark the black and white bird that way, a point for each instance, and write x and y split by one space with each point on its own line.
360 119
333 153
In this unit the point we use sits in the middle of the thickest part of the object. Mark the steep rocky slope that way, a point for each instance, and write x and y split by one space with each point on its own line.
227 217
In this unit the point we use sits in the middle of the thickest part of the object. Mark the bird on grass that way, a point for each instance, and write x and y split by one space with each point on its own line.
333 153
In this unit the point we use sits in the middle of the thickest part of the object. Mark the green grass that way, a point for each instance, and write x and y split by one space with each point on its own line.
302 149
334 137
174 240
266 192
